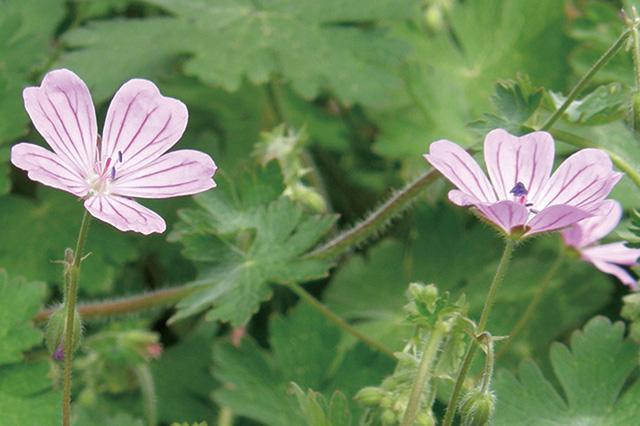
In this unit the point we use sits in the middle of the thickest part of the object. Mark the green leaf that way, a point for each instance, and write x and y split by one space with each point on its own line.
449 79
242 246
53 221
591 374
302 350
318 412
26 396
335 45
185 396
604 104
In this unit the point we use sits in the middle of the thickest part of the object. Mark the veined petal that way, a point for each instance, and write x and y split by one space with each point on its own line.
48 168
62 111
125 214
594 228
141 125
554 218
463 199
617 271
505 214
510 159
461 169
614 253
177 173
583 180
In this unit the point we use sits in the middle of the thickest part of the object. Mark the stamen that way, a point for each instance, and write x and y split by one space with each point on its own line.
113 172
519 190
120 156
106 166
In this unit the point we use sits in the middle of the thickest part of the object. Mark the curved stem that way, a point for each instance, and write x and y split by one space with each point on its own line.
70 305
484 317
424 368
127 305
586 78
372 224
533 305
225 417
320 307
148 390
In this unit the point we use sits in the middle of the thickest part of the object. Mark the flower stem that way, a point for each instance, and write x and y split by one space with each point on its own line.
148 390
391 208
320 307
484 317
225 417
127 305
424 369
586 78
533 305
71 294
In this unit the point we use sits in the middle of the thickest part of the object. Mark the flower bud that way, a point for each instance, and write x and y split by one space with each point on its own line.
370 396
388 418
55 331
477 408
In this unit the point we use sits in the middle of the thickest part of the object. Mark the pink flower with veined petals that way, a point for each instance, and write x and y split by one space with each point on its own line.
522 193
607 257
131 159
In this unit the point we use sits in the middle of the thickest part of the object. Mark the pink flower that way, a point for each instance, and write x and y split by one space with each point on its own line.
607 257
131 161
522 193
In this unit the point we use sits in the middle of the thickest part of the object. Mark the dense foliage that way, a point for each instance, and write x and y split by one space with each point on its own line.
289 294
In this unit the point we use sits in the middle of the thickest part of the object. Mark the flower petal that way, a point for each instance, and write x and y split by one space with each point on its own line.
614 253
177 173
48 168
62 111
461 169
505 214
510 159
594 228
125 214
583 180
617 271
141 125
463 199
554 218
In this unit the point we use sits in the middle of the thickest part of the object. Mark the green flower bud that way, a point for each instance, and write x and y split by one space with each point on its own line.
477 408
370 396
55 331
388 418
425 419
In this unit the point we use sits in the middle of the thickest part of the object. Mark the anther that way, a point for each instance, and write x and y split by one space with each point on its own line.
120 156
519 190
113 173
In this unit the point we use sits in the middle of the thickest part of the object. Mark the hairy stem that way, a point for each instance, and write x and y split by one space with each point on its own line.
429 352
586 78
148 389
71 294
391 208
127 305
581 142
484 317
225 417
331 316
533 305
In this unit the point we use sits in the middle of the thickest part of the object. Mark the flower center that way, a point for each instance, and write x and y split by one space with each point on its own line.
103 176
520 192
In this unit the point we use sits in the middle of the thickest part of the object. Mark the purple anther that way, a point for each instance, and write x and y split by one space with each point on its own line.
120 156
113 173
519 190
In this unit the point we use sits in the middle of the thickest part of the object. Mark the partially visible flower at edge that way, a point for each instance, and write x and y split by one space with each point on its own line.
522 197
130 159
608 258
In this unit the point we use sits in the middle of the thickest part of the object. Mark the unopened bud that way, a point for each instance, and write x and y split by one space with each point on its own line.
370 396
425 419
477 408
55 332
388 418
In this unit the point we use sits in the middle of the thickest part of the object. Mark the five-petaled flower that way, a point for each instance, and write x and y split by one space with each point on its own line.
522 196
130 159
607 257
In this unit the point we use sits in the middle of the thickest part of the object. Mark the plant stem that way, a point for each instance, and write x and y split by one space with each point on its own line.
225 417
127 305
391 208
484 317
148 389
70 304
430 349
487 373
533 305
582 142
320 307
586 78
